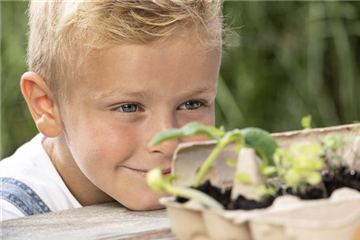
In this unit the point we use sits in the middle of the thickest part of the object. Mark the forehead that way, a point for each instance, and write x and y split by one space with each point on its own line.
156 66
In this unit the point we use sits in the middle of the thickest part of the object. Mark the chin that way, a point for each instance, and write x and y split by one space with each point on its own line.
147 207
146 203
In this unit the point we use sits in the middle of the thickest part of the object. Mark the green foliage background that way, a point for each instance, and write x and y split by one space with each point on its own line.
294 58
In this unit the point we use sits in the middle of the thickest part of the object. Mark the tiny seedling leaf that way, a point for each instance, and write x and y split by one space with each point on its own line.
306 122
313 178
263 191
243 178
231 162
269 170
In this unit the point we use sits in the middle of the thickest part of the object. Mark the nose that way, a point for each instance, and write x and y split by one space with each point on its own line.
166 148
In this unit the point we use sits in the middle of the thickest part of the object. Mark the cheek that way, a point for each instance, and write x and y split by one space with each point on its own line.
99 145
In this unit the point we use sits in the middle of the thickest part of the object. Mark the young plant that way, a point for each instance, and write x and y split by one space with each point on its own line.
333 151
194 128
298 166
158 183
256 138
306 124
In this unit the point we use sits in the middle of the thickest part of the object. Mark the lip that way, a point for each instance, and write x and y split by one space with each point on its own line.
143 172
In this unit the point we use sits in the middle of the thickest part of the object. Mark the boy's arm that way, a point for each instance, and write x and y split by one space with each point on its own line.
9 211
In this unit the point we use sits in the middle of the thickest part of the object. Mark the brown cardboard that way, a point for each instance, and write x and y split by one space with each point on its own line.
248 163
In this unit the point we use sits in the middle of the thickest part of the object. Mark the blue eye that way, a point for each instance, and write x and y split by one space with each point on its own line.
190 105
128 108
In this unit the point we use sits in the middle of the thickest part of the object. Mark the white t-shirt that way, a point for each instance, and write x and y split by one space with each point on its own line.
31 165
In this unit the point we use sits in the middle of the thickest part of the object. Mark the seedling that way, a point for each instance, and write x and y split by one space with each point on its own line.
332 151
299 166
256 138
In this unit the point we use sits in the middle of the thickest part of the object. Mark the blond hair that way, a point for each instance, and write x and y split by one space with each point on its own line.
62 33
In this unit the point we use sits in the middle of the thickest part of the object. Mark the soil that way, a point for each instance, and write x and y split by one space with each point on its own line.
332 181
342 177
224 197
246 204
311 194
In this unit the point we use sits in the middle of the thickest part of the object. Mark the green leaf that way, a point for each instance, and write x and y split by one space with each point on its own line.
166 135
261 141
282 157
218 132
231 162
306 122
313 178
243 178
188 130
333 141
269 170
263 191
292 178
231 136
194 128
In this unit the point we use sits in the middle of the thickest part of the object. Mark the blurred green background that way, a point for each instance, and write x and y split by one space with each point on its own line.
294 58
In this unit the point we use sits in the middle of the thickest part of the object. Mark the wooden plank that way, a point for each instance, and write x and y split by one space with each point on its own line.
104 221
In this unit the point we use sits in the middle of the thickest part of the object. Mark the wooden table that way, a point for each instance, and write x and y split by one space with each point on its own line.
105 221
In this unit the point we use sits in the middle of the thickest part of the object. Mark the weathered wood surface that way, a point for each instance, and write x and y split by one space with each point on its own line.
105 222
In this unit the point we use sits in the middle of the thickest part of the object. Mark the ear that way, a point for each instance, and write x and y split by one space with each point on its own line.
41 104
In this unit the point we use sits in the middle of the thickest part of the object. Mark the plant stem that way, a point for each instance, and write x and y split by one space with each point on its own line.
208 162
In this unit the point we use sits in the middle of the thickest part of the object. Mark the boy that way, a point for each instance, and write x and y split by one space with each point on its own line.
105 77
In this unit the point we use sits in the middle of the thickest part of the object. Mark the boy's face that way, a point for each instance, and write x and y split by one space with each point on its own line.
127 95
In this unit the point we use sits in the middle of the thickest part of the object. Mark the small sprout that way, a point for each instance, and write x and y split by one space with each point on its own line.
157 183
244 178
313 178
306 122
231 162
255 138
268 171
265 191
155 180
229 137
333 146
300 165
292 178
333 141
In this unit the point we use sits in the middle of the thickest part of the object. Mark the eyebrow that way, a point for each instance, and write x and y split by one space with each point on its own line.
144 95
